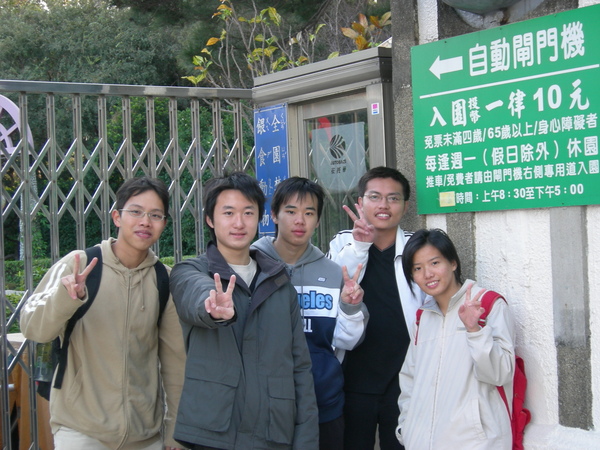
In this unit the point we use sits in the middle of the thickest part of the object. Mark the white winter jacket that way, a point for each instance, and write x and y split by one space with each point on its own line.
449 397
346 251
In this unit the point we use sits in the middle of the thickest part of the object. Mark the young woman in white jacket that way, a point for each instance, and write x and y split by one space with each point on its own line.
449 397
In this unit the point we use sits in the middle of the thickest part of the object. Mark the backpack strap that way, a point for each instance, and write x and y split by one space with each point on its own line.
92 284
162 284
487 303
419 314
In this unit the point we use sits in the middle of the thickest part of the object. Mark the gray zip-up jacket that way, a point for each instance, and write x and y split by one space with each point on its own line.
248 381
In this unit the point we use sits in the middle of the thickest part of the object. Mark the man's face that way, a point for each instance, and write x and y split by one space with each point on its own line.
297 220
383 203
235 222
138 234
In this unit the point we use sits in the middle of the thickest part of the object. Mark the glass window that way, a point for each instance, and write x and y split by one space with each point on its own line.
338 155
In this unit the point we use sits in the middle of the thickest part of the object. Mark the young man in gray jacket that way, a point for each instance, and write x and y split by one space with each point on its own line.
248 381
334 315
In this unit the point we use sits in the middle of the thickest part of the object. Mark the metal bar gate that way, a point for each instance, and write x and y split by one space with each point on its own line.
64 150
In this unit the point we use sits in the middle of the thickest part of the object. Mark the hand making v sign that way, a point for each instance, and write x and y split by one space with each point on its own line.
75 282
470 311
352 293
219 304
362 231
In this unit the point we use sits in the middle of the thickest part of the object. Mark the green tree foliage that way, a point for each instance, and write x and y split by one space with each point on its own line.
184 127
172 11
249 46
78 41
85 41
252 41
152 42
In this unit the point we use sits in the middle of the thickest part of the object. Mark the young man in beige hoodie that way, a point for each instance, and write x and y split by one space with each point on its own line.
123 364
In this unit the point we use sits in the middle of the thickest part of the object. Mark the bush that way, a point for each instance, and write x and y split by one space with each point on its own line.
14 300
14 274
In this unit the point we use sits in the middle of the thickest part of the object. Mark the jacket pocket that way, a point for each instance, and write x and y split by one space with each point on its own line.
197 406
473 418
74 388
282 410
328 378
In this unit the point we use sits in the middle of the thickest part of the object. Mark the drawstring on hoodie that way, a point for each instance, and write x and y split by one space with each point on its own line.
301 292
290 269
266 245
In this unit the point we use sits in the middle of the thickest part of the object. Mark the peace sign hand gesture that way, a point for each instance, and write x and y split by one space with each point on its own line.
75 282
362 230
470 311
219 304
352 293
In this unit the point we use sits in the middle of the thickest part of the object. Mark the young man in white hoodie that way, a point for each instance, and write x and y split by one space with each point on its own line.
374 248
334 315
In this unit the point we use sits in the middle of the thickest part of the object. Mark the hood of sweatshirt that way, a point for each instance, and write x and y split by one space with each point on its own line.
110 259
311 254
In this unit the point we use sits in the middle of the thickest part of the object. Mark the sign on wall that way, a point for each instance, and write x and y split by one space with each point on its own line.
338 154
506 118
271 144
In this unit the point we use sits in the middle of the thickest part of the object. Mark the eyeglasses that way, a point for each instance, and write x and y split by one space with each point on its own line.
138 214
376 198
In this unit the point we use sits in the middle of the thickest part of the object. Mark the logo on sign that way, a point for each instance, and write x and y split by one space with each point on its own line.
337 147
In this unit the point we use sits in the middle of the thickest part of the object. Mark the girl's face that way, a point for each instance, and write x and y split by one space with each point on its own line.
434 274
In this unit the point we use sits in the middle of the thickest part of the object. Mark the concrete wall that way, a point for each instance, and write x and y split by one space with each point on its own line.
546 261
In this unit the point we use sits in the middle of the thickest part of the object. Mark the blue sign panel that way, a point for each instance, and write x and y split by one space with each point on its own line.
271 144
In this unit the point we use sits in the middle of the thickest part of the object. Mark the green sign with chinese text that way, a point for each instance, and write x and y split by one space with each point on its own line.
506 118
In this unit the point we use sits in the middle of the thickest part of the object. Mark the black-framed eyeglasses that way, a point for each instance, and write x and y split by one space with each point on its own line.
376 198
138 214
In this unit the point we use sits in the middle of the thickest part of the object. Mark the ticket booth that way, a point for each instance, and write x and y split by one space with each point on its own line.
340 122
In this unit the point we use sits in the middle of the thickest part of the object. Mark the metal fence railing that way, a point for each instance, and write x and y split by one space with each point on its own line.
59 176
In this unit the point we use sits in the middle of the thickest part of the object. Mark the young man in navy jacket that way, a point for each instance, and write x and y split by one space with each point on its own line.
333 312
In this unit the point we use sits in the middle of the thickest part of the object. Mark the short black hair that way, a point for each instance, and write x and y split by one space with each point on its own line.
238 181
139 185
437 238
296 186
383 172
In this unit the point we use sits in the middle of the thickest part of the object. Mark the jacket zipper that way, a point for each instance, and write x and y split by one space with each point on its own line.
437 378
